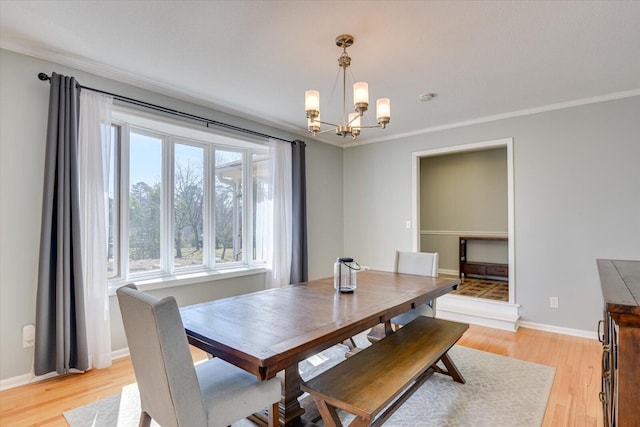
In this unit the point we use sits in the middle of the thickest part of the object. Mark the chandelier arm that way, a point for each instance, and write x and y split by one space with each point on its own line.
325 123
326 130
370 126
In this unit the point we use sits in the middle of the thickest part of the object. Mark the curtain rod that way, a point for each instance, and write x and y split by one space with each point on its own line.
45 77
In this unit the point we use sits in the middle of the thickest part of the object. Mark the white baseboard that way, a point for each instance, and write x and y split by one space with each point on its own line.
560 330
29 378
448 272
25 379
119 354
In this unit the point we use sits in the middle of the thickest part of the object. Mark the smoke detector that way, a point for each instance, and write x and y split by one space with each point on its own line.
426 97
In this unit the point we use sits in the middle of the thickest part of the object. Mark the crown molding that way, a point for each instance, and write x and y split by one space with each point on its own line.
512 114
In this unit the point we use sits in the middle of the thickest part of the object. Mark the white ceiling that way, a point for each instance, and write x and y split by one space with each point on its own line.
484 59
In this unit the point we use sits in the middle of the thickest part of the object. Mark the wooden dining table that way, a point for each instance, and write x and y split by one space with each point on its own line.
267 333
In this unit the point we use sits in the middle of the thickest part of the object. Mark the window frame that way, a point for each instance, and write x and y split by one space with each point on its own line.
173 132
115 153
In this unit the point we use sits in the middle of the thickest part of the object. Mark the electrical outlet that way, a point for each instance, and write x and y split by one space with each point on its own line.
407 225
28 336
553 302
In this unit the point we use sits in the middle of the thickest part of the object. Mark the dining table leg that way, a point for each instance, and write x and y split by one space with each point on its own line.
292 413
290 409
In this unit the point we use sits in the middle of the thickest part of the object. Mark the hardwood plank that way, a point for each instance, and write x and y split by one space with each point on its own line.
573 400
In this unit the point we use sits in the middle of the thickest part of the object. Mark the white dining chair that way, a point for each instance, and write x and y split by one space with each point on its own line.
422 264
173 391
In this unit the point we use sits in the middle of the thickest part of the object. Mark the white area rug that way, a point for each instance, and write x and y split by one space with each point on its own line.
499 392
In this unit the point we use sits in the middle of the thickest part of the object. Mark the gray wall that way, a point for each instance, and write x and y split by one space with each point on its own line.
577 198
464 192
23 116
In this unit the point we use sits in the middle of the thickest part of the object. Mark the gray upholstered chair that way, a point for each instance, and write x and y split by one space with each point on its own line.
422 264
173 391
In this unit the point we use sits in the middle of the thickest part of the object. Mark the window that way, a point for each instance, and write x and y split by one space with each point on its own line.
145 192
179 200
188 202
228 211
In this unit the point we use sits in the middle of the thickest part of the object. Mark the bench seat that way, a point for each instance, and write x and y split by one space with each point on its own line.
392 368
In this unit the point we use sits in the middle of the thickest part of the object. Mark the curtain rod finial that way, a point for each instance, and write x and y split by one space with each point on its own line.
43 77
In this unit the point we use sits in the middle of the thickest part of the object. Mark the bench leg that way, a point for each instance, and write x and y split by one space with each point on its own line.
331 418
452 369
328 412
393 407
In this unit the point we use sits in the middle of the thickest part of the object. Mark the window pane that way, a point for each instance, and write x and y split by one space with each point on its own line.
188 205
262 207
113 223
145 168
228 209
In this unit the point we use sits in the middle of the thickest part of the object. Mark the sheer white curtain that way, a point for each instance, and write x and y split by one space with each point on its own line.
94 148
280 245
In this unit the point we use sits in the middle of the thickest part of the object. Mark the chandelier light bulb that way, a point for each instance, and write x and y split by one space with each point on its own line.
383 111
312 103
361 96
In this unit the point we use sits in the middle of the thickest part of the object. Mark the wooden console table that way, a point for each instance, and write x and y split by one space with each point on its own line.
484 269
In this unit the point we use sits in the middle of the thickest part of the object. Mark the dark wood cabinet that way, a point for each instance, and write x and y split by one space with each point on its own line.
619 333
482 269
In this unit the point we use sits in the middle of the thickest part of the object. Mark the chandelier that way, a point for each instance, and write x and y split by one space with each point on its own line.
351 124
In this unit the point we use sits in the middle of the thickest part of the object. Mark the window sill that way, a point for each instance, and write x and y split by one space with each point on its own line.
183 279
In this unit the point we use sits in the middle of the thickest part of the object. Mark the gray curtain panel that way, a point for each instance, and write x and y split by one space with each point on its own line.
299 264
60 343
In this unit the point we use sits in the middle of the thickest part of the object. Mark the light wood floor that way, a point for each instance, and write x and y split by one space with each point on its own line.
573 401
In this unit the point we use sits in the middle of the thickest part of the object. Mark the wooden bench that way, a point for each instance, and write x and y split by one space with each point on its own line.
392 368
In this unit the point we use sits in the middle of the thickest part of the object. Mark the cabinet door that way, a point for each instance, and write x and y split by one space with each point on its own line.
613 368
605 330
605 392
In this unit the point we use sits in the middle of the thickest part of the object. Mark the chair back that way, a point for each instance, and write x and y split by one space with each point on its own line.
167 381
418 263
